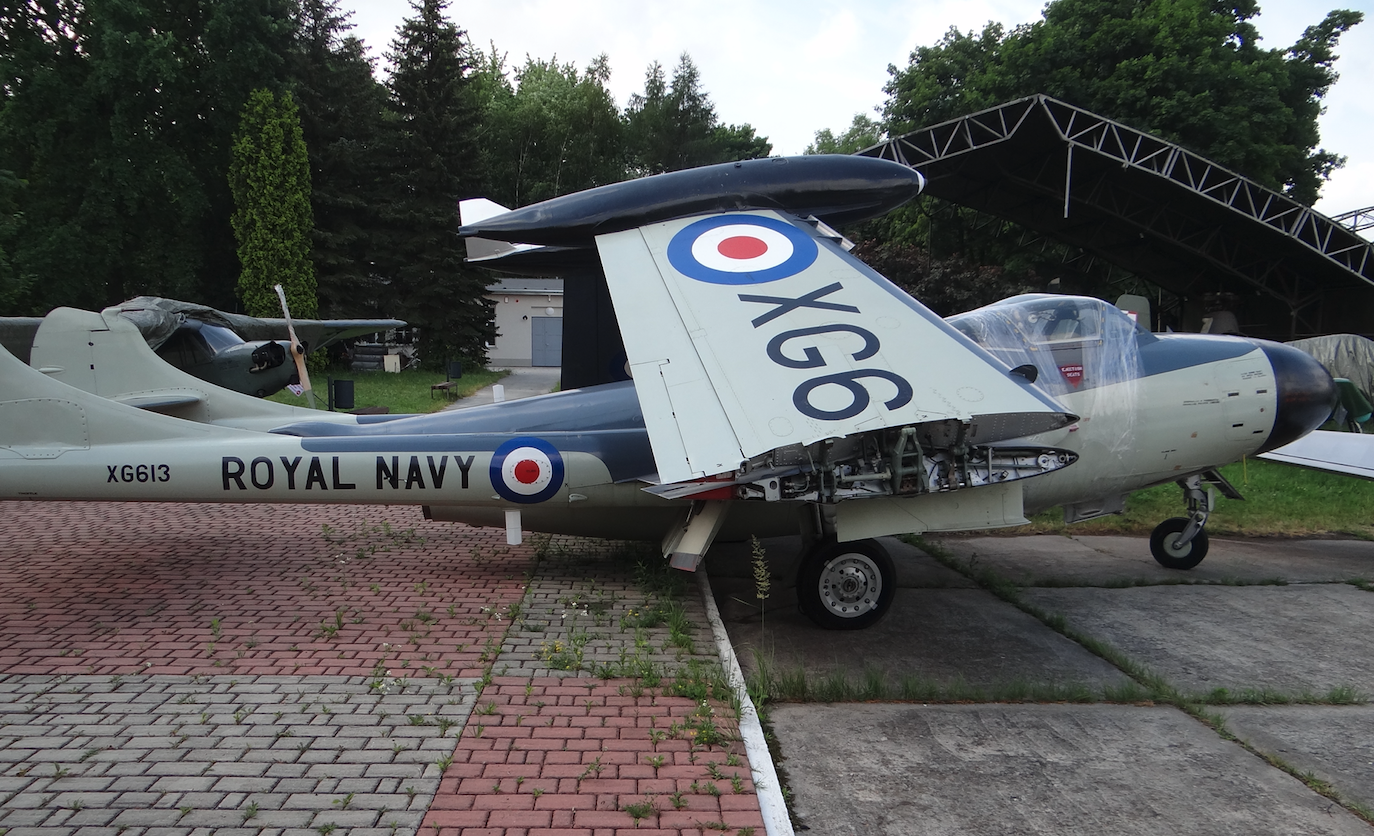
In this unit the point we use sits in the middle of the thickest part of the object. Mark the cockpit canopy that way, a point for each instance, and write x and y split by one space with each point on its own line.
1074 342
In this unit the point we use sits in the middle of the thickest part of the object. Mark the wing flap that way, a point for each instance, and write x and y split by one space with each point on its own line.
768 335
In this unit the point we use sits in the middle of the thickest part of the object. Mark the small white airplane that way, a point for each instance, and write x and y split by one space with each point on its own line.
779 386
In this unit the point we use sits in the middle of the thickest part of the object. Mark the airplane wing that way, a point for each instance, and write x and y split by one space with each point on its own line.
1334 452
747 332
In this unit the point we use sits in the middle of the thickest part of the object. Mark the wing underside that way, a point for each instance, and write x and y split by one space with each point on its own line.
748 332
1335 452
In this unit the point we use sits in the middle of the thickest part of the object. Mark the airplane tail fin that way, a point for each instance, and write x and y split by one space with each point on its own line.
41 418
477 209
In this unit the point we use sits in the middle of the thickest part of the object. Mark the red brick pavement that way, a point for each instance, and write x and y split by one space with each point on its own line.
567 757
161 588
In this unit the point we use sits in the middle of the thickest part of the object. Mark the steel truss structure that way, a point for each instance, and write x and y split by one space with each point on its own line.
1146 205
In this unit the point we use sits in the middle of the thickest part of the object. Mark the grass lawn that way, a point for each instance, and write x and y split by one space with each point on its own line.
1280 500
404 392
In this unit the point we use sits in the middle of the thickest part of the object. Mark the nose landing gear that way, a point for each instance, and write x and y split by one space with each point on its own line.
1181 542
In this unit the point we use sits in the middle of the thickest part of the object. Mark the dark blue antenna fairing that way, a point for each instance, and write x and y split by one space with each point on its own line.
836 189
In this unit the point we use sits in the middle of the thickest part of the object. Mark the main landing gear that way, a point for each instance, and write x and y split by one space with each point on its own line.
1181 542
846 586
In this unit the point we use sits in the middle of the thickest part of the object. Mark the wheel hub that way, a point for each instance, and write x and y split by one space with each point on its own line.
851 585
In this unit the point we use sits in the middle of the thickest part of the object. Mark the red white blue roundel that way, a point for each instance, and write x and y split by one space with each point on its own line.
526 470
740 249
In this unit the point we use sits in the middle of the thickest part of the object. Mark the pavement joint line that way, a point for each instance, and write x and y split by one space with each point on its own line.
1165 692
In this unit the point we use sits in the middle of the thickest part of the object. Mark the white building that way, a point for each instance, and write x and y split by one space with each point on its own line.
529 322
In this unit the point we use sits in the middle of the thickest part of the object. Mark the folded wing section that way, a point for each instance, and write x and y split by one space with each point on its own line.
751 331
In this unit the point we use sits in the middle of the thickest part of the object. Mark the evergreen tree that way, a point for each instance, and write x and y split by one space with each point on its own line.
118 115
434 163
672 126
341 111
270 177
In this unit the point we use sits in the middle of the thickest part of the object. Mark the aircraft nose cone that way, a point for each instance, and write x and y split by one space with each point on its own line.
1305 392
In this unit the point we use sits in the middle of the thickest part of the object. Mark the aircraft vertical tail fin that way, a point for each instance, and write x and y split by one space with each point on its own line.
41 418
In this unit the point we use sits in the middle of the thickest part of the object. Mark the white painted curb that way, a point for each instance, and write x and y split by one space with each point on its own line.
766 783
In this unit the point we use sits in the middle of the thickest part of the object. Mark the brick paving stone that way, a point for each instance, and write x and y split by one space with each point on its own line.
287 666
215 791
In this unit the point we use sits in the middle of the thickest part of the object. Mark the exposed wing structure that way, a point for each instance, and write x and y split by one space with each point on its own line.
1334 452
750 331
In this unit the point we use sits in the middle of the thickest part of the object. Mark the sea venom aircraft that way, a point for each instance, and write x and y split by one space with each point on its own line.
779 386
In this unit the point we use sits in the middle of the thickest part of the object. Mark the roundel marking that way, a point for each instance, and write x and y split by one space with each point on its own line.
740 250
526 470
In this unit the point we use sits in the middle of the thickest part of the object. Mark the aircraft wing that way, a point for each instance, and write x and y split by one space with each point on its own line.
748 331
1334 452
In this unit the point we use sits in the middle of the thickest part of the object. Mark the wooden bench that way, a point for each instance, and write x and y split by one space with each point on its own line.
446 387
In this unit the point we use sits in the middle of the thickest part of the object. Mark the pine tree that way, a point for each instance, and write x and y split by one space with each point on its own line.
434 163
270 178
341 111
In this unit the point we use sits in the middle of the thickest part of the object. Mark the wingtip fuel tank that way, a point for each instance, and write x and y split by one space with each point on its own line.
835 188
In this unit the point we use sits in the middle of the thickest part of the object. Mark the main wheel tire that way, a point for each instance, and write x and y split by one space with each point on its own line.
846 586
1164 545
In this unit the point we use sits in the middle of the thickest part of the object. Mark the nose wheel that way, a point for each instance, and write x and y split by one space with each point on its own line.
1181 542
846 586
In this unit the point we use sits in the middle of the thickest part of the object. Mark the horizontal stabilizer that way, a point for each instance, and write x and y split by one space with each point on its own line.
161 400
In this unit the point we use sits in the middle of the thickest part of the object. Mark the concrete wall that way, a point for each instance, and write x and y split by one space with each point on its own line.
514 309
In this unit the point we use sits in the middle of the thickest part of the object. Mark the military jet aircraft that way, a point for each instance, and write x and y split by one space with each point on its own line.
779 386
244 353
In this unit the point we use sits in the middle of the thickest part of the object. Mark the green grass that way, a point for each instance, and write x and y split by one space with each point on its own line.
403 392
1280 500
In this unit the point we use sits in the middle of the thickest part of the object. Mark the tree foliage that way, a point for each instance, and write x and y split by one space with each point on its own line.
862 133
118 116
673 125
1191 71
270 178
341 110
433 162
554 130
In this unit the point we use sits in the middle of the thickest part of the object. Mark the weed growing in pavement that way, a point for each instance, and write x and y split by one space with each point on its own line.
486 709
763 579
640 810
443 763
250 811
342 803
594 767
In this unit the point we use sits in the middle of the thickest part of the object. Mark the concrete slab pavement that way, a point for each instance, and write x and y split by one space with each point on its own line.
1296 639
1098 560
941 628
858 770
1275 614
1331 741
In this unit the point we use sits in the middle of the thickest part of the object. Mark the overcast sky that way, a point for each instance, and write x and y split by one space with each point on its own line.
790 69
